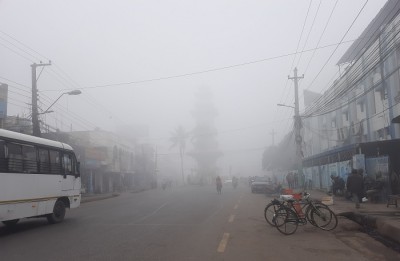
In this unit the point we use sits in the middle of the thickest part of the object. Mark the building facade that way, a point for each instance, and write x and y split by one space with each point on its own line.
355 123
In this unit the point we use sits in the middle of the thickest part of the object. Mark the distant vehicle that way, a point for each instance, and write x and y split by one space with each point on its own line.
228 181
261 184
38 178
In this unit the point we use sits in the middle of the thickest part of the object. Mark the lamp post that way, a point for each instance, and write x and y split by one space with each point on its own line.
74 92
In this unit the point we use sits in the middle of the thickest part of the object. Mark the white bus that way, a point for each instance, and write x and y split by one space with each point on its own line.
38 178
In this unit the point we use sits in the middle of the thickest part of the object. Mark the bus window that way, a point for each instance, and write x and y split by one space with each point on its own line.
3 161
29 159
68 164
14 155
44 161
55 162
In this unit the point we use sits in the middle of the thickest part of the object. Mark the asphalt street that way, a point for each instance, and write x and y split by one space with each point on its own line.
182 223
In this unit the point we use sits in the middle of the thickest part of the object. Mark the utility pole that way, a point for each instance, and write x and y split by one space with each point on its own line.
297 120
35 112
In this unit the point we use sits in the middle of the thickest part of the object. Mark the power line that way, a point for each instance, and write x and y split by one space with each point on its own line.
198 72
294 58
353 78
329 58
322 34
309 32
354 70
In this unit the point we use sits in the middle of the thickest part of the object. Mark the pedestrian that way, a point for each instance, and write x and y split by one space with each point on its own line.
337 184
355 185
290 180
218 182
308 181
296 179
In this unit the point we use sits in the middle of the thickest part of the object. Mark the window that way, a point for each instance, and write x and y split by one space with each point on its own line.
44 161
29 159
55 162
14 157
68 162
3 160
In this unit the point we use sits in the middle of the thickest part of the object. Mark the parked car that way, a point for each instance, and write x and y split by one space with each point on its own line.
261 184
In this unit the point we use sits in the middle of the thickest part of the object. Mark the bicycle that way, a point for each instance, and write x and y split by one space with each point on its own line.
288 216
270 209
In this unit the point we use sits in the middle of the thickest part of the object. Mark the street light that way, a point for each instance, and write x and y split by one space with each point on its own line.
74 92
284 105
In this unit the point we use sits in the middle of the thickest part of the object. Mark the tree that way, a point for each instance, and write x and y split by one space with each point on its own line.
178 139
204 136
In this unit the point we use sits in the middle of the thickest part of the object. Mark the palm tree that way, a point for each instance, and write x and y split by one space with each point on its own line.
178 138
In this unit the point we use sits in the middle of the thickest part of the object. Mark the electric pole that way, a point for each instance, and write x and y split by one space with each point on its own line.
35 112
297 120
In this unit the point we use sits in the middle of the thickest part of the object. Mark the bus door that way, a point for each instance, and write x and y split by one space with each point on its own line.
71 179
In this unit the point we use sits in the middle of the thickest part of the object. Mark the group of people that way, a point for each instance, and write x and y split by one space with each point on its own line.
218 182
358 186
292 179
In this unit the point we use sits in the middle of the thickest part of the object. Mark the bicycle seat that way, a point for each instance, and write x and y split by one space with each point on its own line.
286 197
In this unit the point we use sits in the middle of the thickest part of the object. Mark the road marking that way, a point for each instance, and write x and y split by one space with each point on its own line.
223 243
236 206
231 218
151 214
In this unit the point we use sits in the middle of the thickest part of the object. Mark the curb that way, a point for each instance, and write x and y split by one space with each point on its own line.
388 230
381 226
94 198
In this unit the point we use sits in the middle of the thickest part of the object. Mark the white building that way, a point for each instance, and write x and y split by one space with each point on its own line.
360 113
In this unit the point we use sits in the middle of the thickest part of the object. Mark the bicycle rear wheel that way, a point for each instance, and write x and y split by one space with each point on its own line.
324 218
269 213
286 220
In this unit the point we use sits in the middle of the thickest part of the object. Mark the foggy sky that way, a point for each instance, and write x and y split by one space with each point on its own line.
96 43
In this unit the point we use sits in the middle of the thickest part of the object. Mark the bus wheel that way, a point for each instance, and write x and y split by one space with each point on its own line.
58 213
10 223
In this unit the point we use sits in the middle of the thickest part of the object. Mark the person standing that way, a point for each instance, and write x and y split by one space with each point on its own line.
355 185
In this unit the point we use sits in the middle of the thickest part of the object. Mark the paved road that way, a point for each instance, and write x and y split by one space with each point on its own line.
188 223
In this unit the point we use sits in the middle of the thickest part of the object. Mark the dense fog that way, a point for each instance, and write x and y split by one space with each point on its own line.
144 64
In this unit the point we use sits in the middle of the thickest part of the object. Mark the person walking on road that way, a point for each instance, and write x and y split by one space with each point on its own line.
355 185
218 181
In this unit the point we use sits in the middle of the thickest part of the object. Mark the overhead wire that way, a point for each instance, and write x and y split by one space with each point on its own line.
356 78
329 58
286 93
309 32
354 70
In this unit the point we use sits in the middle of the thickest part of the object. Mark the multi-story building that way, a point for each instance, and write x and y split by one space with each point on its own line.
107 160
355 123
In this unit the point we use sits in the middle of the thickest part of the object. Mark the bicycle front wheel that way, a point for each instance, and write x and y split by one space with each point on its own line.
311 207
286 220
269 213
324 218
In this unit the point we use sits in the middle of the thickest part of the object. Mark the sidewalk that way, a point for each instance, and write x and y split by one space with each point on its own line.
89 197
385 220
